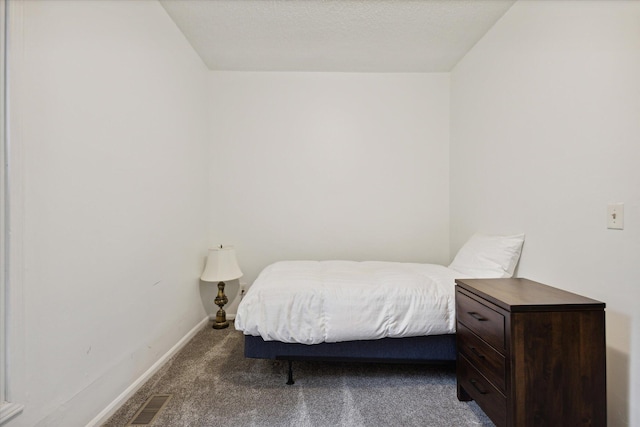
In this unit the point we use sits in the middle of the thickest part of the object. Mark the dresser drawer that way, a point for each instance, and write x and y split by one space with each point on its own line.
482 391
481 320
486 359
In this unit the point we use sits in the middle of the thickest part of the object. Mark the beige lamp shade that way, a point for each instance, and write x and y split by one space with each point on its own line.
221 265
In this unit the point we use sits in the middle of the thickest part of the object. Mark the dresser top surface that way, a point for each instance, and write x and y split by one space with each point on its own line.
520 294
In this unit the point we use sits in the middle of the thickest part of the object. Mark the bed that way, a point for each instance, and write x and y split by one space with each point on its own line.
365 311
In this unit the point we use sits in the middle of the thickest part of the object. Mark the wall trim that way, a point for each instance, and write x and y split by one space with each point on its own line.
107 412
9 410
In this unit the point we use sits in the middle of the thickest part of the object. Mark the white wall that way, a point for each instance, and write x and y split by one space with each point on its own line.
330 166
109 219
545 131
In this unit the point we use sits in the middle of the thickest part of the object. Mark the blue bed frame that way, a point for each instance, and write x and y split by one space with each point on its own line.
423 349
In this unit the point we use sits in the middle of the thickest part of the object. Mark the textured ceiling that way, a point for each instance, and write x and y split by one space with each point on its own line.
334 35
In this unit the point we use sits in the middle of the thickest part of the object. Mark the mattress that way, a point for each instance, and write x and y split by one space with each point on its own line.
311 302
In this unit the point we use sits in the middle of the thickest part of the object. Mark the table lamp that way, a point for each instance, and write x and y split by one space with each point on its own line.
221 266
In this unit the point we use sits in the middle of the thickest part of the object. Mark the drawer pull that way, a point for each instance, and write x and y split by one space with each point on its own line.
477 353
477 316
474 383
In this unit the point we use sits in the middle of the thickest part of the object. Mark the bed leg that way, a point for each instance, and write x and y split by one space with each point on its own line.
290 376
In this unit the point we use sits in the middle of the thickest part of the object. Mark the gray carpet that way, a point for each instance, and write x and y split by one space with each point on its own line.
214 385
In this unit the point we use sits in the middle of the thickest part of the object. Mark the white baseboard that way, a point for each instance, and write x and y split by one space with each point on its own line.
103 416
9 410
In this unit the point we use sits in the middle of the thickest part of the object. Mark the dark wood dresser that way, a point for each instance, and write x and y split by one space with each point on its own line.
530 354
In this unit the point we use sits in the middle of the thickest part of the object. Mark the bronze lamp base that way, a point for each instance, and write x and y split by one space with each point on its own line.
221 321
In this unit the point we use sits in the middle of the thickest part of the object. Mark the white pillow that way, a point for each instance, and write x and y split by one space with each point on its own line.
486 257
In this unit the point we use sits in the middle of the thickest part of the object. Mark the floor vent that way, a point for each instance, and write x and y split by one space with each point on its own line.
150 410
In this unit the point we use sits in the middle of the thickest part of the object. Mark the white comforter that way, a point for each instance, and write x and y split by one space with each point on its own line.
310 302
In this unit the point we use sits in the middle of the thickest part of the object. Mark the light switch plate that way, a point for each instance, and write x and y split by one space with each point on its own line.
615 216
